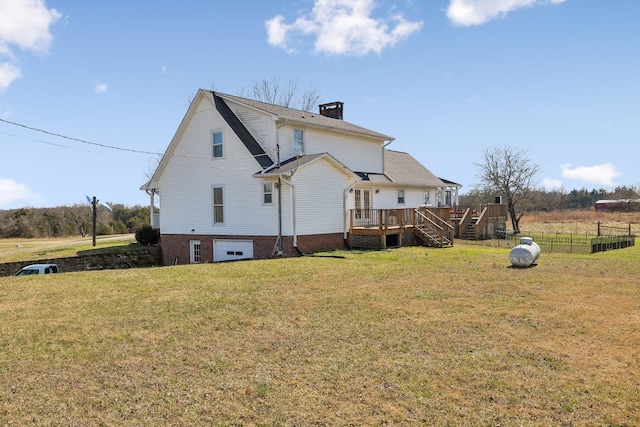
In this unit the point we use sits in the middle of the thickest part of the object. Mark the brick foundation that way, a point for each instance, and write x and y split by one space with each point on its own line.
175 247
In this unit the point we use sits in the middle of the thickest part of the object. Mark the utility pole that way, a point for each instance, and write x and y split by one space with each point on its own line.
94 204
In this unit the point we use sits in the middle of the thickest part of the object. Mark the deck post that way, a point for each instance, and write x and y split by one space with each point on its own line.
383 230
350 237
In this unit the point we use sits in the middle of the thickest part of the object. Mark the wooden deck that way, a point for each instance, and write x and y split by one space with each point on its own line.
428 224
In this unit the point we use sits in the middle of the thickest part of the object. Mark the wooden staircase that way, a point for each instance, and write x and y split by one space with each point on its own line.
473 225
433 230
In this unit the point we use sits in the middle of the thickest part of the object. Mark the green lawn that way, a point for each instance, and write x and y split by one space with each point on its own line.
411 336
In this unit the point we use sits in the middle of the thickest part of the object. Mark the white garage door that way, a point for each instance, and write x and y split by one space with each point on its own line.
229 250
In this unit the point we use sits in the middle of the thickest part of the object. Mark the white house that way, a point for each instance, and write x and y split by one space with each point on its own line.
246 179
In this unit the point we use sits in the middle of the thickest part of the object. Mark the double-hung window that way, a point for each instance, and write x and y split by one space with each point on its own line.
298 141
267 193
217 144
218 206
401 197
426 197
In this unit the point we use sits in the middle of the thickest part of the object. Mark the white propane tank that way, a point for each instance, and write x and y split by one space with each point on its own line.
525 254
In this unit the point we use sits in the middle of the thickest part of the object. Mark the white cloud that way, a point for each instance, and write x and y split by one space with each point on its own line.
603 174
11 191
342 27
100 87
550 184
23 24
476 12
8 73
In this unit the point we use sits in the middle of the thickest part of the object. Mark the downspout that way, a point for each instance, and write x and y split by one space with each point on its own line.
384 172
293 217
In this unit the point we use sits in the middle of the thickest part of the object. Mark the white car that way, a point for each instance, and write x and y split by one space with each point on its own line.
38 269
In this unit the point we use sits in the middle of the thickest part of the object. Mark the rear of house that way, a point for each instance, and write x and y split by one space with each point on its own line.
242 179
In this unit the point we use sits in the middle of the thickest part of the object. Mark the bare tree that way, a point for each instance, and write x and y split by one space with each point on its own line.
273 91
510 173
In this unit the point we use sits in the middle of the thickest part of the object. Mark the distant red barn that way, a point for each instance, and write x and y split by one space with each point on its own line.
620 205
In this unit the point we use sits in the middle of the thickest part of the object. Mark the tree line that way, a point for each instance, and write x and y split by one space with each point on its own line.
75 220
540 200
509 173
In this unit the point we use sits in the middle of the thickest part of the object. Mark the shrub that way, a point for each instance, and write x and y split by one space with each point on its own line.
146 235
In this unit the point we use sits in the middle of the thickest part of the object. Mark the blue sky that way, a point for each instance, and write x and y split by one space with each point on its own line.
446 78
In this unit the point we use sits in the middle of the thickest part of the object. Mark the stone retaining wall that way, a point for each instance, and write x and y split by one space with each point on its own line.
141 257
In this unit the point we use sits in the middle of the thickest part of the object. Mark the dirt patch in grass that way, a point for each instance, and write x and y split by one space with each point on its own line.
412 336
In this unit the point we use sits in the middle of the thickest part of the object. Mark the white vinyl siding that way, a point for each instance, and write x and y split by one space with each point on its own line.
261 126
186 198
357 153
319 189
413 197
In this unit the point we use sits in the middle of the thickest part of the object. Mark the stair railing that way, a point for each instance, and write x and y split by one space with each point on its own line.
442 229
481 223
465 221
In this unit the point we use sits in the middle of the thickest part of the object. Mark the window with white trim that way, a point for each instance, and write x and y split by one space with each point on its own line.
217 144
194 251
218 206
400 196
298 141
426 197
267 193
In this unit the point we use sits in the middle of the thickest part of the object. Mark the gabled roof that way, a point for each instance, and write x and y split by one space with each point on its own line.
241 131
450 183
304 117
289 166
403 169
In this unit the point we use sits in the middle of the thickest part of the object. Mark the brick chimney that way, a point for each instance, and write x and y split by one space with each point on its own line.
332 109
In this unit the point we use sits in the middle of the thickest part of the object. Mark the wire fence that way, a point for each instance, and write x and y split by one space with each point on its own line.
550 242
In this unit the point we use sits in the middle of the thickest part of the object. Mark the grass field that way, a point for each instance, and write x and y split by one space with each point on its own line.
59 247
410 336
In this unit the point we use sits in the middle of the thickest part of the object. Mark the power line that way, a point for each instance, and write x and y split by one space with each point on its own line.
35 140
112 147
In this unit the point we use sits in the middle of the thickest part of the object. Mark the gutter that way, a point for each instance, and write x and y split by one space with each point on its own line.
293 216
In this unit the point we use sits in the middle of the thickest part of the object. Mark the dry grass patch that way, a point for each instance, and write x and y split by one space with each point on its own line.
402 337
59 247
580 221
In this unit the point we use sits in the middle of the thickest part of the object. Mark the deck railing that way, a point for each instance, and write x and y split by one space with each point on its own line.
381 218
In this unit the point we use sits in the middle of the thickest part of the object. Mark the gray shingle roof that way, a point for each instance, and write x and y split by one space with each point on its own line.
305 117
405 170
294 163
